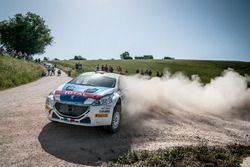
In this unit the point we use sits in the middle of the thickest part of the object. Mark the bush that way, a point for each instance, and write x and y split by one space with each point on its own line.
201 155
168 58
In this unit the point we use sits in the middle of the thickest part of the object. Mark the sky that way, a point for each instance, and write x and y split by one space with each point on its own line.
184 29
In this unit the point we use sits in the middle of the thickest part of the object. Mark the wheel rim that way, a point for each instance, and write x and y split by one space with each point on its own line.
116 120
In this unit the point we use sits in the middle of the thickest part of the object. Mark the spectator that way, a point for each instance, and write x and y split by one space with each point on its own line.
111 69
126 72
97 67
49 69
106 68
78 66
142 72
58 72
157 74
20 55
137 71
119 69
25 56
52 70
102 67
1 50
161 74
43 74
150 73
69 71
13 53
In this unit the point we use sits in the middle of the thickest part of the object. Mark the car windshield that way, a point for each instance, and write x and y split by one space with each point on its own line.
94 80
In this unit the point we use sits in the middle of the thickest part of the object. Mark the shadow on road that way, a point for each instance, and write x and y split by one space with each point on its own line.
83 145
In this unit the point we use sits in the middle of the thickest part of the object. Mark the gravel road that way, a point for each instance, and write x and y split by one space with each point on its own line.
27 138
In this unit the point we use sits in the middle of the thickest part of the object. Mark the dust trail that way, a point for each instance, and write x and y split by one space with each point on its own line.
176 94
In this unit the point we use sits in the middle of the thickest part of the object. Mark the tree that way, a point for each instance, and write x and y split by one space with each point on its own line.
125 56
45 59
79 57
144 57
168 58
26 33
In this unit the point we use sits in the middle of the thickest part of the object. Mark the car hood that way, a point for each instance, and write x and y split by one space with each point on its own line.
81 93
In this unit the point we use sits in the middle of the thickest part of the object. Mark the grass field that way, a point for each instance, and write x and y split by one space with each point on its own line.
14 72
193 156
205 69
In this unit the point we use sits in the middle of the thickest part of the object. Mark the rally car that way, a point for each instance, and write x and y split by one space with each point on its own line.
91 99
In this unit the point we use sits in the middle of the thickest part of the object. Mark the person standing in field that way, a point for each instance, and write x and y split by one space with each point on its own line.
157 74
106 68
150 73
53 70
97 67
59 72
69 72
20 55
1 50
142 72
111 69
49 69
161 74
126 72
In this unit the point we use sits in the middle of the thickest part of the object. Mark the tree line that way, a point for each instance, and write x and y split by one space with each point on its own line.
126 56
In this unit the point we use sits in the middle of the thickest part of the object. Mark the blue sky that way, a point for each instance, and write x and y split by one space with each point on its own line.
184 29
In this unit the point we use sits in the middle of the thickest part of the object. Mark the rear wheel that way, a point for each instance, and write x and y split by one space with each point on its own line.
116 120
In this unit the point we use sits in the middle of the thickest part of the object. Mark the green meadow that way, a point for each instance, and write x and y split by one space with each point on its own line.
14 72
203 68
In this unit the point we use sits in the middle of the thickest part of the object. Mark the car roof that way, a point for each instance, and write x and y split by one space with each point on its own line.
103 73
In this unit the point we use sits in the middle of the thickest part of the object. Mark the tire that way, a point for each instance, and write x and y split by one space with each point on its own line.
116 120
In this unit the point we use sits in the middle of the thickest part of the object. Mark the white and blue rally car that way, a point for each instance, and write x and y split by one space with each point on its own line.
91 99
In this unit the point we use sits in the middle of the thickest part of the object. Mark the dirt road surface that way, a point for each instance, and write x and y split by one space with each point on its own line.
27 138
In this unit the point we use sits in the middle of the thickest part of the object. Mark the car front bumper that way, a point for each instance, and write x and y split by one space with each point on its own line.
95 116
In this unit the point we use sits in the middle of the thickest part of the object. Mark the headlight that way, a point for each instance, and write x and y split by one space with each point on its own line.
103 101
50 101
50 96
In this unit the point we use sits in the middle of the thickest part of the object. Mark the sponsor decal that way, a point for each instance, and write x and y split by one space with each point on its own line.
101 115
104 111
78 93
107 107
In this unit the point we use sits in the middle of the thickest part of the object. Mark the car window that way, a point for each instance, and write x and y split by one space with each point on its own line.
94 80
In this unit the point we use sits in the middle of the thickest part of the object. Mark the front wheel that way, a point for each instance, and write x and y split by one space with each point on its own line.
116 120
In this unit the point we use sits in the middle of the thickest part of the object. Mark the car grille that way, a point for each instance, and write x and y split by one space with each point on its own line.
70 110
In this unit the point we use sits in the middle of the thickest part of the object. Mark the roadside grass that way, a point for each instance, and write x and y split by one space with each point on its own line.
203 68
192 156
14 72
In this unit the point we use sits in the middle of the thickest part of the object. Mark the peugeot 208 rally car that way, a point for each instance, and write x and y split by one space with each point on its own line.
91 99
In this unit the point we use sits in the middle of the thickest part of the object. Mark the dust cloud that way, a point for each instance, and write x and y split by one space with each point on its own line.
227 95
